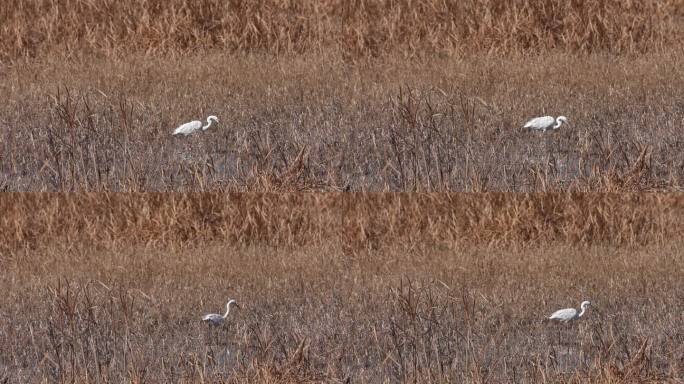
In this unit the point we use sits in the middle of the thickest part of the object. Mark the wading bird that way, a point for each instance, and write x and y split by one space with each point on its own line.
569 314
193 126
546 122
215 318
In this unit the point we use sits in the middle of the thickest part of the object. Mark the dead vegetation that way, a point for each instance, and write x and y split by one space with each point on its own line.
312 314
341 96
337 96
340 287
357 221
358 28
318 124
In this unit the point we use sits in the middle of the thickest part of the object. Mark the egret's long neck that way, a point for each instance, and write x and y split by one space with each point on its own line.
582 311
558 124
227 311
205 127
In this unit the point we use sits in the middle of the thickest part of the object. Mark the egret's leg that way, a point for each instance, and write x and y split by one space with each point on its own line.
567 353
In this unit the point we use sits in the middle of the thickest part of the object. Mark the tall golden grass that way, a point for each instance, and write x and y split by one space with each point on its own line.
357 221
361 27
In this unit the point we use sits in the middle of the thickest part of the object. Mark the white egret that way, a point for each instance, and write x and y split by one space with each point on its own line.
215 318
193 126
569 314
546 122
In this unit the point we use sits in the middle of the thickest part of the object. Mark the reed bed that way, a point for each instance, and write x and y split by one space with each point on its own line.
321 314
359 28
351 98
356 222
320 124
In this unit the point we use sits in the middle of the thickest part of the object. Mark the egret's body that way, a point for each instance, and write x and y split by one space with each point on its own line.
569 314
194 126
215 318
546 122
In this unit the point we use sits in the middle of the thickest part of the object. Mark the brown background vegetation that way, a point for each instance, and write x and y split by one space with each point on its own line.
356 221
358 27
335 287
359 96
341 95
319 124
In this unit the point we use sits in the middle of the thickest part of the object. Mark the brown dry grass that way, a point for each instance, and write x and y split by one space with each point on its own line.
357 221
358 28
340 96
319 124
318 314
337 287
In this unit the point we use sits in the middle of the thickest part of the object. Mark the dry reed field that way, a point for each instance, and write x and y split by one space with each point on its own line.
116 237
357 27
340 95
341 287
320 315
356 221
298 124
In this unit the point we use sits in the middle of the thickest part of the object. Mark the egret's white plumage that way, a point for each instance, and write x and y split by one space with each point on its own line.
569 314
546 122
215 318
194 126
